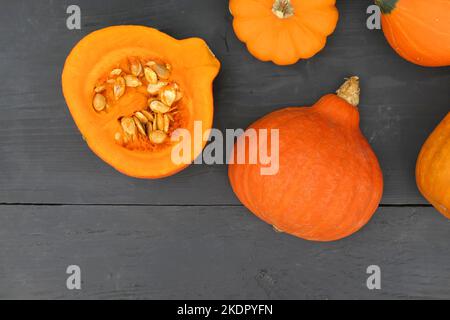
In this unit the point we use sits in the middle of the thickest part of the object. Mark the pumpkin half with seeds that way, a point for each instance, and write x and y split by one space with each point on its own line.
284 31
129 88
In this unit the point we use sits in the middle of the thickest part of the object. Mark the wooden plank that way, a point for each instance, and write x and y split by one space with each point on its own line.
44 160
215 253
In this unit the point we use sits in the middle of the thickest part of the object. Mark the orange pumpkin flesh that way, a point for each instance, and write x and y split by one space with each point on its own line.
418 30
284 31
433 168
329 182
194 68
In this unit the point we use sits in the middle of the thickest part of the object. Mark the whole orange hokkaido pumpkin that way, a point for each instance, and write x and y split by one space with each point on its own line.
419 30
433 168
329 182
284 31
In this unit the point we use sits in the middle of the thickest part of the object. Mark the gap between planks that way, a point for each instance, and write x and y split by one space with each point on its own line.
6 204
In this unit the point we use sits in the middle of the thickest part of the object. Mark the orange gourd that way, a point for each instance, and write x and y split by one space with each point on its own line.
433 168
329 182
129 87
284 31
419 30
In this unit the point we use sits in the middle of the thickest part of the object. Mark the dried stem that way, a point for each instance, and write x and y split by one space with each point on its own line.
350 91
283 9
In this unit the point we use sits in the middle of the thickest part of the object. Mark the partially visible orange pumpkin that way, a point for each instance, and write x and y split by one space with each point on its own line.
329 182
419 30
129 87
433 168
284 31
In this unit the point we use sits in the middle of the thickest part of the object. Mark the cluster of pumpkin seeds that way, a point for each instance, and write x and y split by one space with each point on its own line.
154 122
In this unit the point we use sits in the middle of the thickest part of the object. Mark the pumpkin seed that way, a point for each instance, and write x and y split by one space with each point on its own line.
116 72
159 107
160 121
136 68
149 129
154 89
99 102
142 118
178 91
132 81
157 137
170 117
139 126
100 88
166 123
161 70
148 115
129 126
150 76
118 136
119 88
169 96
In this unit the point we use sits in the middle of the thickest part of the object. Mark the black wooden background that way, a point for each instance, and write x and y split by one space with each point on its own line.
187 236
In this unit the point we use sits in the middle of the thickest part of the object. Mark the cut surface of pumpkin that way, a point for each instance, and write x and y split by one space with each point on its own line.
129 88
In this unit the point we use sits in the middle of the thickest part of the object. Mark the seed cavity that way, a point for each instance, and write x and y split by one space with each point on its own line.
153 123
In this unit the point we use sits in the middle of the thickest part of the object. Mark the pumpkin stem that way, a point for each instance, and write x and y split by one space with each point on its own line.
283 9
350 91
386 6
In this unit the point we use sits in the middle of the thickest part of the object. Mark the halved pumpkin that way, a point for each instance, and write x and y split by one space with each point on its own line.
106 83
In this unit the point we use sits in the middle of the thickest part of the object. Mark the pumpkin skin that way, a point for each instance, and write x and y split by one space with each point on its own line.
98 53
418 30
284 34
329 182
433 168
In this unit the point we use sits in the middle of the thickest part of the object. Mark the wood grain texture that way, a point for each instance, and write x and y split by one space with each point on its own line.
214 253
142 239
44 160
